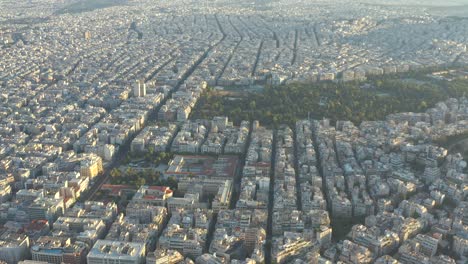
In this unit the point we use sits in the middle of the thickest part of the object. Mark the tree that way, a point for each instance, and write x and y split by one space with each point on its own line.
285 104
155 178
253 105
172 183
423 105
146 173
379 83
127 159
130 171
150 152
140 181
115 173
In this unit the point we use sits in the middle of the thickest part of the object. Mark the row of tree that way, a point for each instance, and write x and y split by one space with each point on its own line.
150 156
337 101
139 177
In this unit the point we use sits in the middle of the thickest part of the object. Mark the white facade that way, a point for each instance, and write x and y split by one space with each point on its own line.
117 252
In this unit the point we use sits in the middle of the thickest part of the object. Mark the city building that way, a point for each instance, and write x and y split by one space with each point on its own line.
116 252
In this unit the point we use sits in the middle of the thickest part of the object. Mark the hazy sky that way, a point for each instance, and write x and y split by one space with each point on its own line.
420 2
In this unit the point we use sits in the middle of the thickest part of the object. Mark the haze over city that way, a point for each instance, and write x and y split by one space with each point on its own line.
233 132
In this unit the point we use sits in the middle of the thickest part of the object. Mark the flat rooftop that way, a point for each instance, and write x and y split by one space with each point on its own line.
203 166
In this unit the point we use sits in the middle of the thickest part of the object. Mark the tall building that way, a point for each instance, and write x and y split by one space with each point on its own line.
460 245
13 247
428 244
117 252
139 89
164 256
91 166
252 237
58 250
46 209
87 35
